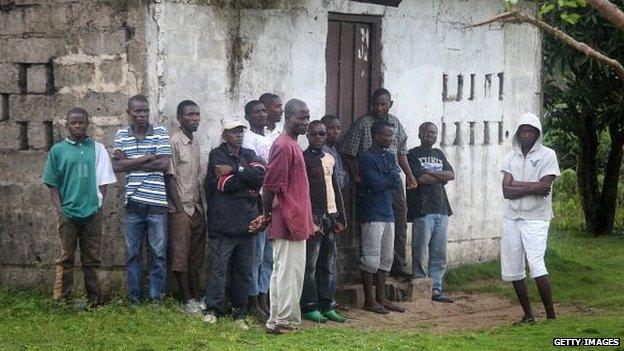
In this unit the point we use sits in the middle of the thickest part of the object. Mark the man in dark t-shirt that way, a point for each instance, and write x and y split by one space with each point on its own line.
428 209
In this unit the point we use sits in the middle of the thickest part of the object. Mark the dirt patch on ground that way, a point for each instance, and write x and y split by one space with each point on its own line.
469 312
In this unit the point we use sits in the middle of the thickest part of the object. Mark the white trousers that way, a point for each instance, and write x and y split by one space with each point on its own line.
289 258
523 238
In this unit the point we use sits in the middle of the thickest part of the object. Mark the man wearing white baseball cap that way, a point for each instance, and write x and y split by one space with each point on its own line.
233 181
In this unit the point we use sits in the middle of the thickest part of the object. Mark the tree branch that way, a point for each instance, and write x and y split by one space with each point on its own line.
609 11
516 16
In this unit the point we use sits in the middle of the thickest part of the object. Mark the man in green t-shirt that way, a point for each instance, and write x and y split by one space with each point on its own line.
76 172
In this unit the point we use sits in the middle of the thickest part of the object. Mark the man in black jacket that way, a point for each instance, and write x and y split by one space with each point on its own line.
233 182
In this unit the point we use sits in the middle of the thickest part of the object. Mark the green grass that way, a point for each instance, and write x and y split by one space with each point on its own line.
29 321
583 270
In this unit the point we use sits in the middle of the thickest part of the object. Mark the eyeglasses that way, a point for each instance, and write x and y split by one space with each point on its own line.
317 134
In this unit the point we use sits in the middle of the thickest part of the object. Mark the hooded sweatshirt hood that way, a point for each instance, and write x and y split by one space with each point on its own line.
539 162
534 121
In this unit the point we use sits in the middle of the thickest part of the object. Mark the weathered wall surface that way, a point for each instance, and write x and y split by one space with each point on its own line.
56 55
426 51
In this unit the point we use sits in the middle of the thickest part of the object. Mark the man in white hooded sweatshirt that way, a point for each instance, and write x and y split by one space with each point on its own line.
528 172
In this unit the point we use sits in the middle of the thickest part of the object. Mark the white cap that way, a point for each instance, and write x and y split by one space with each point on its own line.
231 123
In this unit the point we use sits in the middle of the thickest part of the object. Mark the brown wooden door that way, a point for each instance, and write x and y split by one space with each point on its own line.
353 62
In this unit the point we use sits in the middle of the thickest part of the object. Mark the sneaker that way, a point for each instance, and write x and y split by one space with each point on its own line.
201 304
440 297
191 307
210 318
241 324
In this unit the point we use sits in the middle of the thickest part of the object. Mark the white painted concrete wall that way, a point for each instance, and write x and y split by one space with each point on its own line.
283 51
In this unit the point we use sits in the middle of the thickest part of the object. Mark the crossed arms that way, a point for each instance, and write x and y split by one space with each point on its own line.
513 189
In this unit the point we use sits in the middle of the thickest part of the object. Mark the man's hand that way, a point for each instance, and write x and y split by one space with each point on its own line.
258 224
119 155
339 228
221 170
541 189
410 182
316 228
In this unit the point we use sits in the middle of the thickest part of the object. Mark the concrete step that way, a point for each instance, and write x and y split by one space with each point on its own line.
396 290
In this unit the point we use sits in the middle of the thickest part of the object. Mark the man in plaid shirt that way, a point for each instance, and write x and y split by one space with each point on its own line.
357 140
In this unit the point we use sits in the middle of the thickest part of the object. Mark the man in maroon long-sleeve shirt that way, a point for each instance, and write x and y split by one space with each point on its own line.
286 201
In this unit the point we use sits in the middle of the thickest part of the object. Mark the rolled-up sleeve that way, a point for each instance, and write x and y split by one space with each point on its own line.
277 176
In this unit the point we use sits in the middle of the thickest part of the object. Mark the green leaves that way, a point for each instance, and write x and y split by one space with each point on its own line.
547 8
509 4
571 18
567 9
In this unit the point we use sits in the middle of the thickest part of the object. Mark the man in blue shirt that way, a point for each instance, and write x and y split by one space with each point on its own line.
142 150
380 177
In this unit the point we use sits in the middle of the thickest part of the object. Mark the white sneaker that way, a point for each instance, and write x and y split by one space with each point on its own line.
241 324
201 304
191 307
210 318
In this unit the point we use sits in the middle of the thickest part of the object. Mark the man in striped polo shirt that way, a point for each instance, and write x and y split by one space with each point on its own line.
142 150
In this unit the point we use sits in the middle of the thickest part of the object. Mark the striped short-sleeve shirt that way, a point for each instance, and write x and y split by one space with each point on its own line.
144 187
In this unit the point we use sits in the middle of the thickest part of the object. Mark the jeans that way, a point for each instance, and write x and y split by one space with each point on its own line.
222 250
318 291
266 268
139 220
262 260
429 234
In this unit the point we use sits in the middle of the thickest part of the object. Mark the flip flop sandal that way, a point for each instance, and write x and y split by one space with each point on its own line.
394 307
379 309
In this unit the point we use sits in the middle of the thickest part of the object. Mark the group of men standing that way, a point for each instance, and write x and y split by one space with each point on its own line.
273 210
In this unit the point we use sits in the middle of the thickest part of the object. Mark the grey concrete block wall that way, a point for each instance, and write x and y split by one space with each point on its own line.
57 55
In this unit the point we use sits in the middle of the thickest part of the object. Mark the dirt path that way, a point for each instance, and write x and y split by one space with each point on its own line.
469 312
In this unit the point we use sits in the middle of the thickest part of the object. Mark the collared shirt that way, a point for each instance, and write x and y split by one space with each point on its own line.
261 144
143 187
358 139
77 169
272 135
342 176
541 161
380 175
184 166
288 179
320 169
